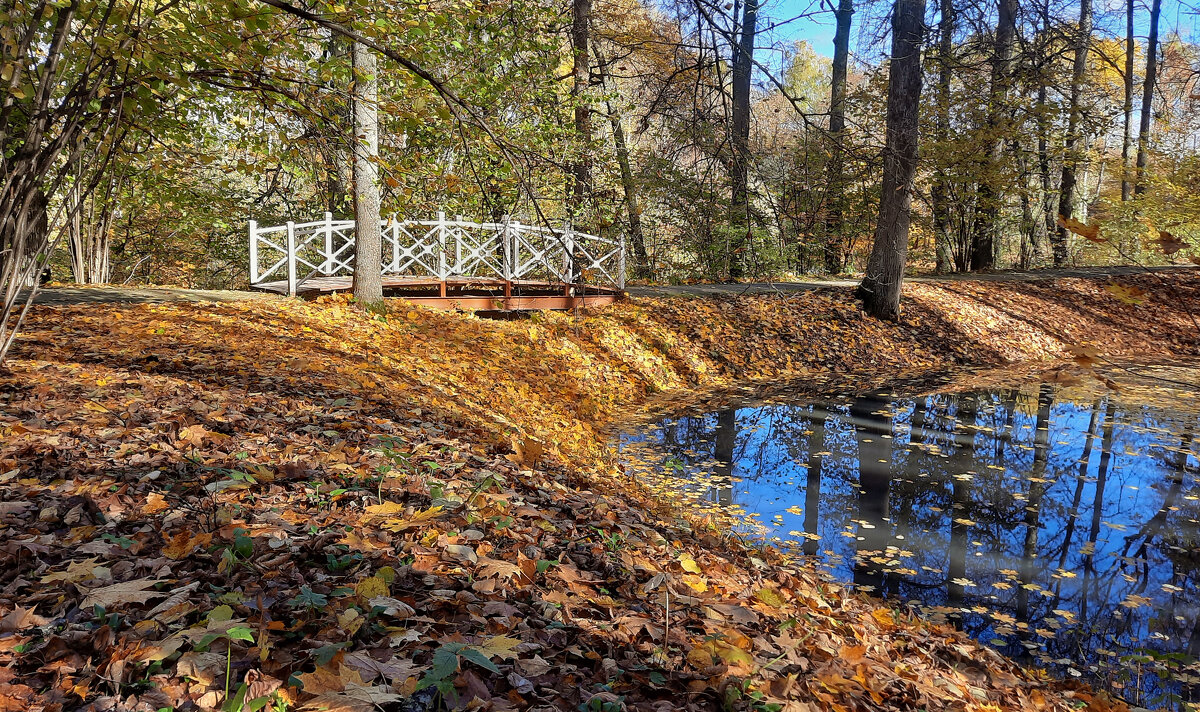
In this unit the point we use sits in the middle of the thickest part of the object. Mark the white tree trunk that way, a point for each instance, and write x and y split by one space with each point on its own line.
368 265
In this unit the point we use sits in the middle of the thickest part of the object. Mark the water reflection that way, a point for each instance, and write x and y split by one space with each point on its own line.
1059 525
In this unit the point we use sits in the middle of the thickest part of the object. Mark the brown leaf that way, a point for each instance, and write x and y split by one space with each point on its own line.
1168 243
19 619
1090 232
120 593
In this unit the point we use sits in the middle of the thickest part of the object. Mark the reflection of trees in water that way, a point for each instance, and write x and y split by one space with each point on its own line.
1050 512
812 486
873 432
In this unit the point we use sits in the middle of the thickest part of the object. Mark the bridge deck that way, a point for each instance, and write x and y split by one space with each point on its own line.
465 293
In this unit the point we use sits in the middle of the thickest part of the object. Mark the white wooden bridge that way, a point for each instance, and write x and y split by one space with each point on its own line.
452 264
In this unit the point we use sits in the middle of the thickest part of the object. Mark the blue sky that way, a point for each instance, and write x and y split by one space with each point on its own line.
817 28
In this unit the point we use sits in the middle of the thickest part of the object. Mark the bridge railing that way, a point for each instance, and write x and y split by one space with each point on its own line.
441 248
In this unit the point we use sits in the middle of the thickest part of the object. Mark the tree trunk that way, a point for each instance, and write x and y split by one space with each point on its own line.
637 238
938 196
1089 560
880 288
991 190
581 170
743 63
873 433
1047 207
724 444
1033 501
1081 479
1029 233
962 459
368 259
837 127
1143 153
812 487
1127 134
1066 190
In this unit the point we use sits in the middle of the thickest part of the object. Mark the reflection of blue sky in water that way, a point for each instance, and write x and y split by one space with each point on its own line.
1063 531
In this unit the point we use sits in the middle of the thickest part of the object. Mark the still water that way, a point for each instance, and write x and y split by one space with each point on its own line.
1055 521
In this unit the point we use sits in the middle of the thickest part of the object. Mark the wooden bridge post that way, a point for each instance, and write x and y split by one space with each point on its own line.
441 241
506 265
254 252
458 246
395 243
504 250
568 273
514 236
291 258
327 265
621 263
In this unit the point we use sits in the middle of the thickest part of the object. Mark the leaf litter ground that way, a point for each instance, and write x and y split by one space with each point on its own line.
280 504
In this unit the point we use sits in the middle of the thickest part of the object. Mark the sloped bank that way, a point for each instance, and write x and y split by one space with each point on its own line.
346 490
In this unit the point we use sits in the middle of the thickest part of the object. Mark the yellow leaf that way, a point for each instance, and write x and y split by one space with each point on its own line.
371 587
500 646
75 573
696 583
688 563
770 597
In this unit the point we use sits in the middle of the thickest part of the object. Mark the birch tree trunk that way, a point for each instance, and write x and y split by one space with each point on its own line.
1127 134
880 288
368 260
1143 153
1066 191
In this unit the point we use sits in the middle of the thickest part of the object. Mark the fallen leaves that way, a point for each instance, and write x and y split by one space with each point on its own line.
338 508
121 593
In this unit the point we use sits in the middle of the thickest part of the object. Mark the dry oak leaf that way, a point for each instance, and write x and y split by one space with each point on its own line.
124 592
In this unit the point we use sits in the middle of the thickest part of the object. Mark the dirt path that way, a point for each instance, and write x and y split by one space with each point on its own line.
154 295
140 295
731 289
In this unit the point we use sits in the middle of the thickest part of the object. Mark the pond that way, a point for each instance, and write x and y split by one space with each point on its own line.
1056 521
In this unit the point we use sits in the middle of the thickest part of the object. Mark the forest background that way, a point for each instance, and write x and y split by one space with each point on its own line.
723 139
